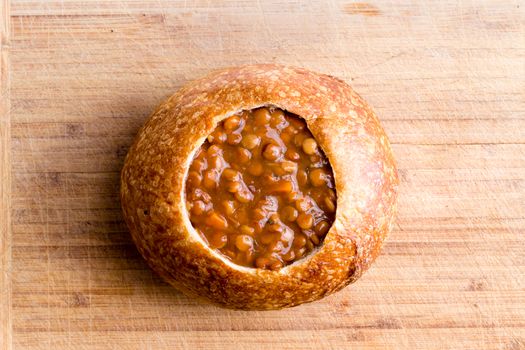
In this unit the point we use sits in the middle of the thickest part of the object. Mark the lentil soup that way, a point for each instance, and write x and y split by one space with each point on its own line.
260 189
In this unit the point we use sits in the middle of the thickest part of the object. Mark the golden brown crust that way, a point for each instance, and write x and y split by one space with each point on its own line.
349 133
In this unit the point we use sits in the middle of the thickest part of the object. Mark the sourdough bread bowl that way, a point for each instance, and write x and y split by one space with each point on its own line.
166 184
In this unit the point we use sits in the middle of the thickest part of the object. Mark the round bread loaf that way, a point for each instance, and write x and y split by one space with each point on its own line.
348 134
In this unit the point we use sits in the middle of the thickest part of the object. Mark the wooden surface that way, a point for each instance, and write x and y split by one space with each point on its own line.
446 78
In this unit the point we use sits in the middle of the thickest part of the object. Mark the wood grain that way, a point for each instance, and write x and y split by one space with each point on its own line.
446 78
5 182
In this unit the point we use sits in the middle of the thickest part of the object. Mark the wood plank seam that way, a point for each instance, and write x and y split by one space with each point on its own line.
5 183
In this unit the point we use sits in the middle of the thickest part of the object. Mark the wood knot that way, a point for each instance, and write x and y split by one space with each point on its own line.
73 130
54 178
78 300
476 285
355 336
122 151
388 323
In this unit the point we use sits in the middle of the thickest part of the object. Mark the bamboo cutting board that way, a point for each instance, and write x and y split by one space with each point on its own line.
447 79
